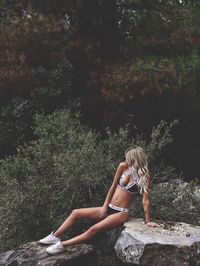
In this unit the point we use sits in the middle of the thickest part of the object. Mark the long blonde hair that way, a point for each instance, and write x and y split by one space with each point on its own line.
137 158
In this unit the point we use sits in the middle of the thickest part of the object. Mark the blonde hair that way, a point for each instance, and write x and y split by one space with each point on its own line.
137 158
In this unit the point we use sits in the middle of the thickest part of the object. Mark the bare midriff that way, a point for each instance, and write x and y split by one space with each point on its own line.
121 198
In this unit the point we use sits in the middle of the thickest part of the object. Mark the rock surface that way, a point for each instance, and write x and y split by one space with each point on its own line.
32 254
171 244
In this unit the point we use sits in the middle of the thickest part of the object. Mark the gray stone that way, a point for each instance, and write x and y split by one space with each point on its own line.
32 254
171 244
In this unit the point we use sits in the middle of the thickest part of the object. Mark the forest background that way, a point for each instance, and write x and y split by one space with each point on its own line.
82 81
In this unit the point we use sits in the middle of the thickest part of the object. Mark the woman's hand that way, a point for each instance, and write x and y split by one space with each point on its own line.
103 211
153 224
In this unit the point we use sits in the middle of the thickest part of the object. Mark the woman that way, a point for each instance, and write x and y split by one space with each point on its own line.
132 177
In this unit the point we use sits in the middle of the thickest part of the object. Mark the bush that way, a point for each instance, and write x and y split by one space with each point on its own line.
68 166
15 120
177 201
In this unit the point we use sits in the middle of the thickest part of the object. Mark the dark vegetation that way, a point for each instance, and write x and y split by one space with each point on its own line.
80 82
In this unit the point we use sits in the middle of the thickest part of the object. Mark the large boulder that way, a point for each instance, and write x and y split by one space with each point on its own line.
171 244
32 254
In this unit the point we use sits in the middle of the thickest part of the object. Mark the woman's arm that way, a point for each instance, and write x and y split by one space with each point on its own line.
111 191
146 201
146 205
114 184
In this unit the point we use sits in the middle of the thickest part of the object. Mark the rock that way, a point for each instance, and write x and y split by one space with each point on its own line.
32 254
171 244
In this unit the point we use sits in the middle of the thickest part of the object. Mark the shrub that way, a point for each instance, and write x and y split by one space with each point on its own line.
177 201
68 166
15 120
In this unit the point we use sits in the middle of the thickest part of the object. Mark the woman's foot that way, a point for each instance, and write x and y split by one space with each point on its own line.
50 239
56 248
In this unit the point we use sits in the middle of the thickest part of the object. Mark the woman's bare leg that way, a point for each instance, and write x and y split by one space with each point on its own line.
88 213
110 222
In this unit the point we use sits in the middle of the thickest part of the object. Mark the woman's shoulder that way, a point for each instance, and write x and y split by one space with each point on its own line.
123 166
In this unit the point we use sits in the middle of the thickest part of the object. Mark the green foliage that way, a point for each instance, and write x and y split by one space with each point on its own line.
35 75
68 166
53 89
15 121
161 136
152 75
177 201
56 51
134 58
159 27
172 200
2 3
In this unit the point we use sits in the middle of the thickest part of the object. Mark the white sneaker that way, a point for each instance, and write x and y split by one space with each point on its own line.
50 239
56 248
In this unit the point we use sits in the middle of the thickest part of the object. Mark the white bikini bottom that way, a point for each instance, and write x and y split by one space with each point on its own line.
118 208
